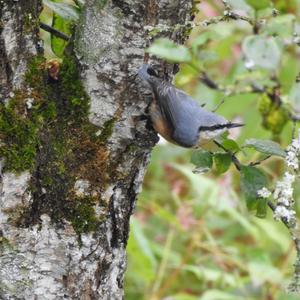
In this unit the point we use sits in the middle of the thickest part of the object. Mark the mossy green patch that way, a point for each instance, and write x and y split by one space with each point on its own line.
107 130
19 139
82 214
20 120
45 128
70 152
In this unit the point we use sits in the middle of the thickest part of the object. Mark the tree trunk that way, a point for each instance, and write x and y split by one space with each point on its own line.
74 148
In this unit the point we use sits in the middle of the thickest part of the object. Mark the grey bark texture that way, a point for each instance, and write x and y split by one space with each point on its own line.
42 256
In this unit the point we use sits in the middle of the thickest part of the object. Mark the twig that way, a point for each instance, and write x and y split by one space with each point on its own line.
273 208
234 159
258 162
226 17
218 105
208 81
54 31
228 14
204 78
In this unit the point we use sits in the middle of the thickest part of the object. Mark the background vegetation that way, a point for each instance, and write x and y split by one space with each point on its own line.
192 236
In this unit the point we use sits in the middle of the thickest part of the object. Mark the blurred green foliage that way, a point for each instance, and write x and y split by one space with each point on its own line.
192 236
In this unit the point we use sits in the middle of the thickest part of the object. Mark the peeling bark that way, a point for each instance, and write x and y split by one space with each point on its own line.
45 257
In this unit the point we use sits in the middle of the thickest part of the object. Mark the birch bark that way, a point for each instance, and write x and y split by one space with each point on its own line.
65 206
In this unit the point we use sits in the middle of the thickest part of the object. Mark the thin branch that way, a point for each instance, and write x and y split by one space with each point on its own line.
209 82
226 17
54 31
258 162
218 105
205 79
229 14
273 208
234 159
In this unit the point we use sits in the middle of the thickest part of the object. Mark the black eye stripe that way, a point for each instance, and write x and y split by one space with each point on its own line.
219 126
151 72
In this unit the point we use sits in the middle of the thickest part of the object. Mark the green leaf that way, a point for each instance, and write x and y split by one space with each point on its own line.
57 44
66 11
259 4
281 25
265 146
252 180
262 51
287 74
261 210
222 162
231 145
170 51
203 160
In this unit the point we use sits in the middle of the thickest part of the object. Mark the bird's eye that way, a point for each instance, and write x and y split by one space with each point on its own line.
151 72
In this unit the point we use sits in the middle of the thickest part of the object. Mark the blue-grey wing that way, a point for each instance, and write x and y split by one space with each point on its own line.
185 115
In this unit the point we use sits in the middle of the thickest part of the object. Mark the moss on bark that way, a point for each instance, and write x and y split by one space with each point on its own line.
45 128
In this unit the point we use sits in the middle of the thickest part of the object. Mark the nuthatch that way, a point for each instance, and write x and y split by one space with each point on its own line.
177 116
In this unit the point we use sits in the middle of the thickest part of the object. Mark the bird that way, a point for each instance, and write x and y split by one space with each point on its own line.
178 117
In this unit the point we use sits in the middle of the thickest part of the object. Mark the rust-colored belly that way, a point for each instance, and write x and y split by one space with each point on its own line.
158 122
